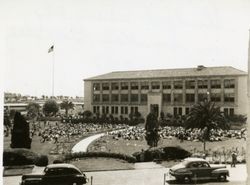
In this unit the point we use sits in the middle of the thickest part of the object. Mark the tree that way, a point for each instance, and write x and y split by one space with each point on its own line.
87 114
151 128
50 107
66 105
205 116
33 109
20 137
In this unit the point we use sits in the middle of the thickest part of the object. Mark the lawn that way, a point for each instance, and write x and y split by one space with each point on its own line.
93 164
107 143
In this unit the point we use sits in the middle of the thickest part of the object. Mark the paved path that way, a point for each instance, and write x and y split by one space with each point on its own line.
140 176
82 146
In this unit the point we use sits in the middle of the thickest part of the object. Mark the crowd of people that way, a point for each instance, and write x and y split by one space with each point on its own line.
168 132
57 131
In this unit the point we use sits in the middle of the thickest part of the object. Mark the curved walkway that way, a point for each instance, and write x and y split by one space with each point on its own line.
82 146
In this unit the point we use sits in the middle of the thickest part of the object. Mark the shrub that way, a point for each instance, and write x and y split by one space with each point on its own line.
19 156
163 153
42 160
57 161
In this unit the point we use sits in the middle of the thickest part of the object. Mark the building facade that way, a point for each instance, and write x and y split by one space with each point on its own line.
172 91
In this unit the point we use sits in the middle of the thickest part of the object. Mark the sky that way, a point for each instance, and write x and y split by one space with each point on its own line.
93 37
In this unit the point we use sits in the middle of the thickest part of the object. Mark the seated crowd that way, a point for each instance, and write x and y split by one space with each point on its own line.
168 132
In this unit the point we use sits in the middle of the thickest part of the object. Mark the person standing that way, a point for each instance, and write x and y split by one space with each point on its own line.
234 159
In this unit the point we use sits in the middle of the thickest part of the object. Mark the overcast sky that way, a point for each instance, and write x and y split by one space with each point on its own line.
93 37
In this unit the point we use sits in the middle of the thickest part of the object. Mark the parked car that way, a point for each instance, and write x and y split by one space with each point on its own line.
198 169
55 174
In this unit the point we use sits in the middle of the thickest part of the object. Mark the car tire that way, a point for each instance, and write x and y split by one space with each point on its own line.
222 177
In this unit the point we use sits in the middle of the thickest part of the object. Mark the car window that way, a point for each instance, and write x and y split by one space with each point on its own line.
56 171
193 165
205 165
73 171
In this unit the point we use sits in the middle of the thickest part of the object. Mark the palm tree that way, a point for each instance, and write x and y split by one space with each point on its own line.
67 105
206 116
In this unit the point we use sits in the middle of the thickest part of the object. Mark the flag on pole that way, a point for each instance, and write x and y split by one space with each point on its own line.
51 49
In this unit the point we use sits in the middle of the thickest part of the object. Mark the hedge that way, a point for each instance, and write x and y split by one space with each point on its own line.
127 158
163 153
21 156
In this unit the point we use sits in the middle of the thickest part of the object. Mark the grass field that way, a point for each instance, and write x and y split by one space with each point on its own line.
107 143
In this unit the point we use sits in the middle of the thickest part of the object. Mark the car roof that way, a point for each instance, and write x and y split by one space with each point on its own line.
194 159
61 165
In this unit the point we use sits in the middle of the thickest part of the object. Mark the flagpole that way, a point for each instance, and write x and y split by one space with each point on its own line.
53 70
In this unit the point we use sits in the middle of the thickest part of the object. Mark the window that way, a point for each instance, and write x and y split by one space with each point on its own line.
114 110
155 85
178 98
103 110
115 86
202 84
229 83
231 111
96 87
166 97
144 85
187 110
122 110
124 97
134 97
180 111
177 111
105 97
226 111
105 86
124 85
166 85
134 85
215 84
144 98
189 97
202 97
178 84
96 98
96 109
216 97
114 97
190 84
229 97
133 110
107 110
125 110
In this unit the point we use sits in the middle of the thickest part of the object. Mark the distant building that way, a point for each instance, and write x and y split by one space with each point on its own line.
171 91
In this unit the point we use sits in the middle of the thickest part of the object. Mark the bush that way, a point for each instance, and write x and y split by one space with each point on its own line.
42 160
163 153
127 158
19 156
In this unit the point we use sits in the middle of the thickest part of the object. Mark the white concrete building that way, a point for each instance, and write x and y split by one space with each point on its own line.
171 91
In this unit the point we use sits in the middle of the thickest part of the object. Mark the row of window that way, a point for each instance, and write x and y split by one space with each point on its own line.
178 111
124 110
114 109
177 97
189 84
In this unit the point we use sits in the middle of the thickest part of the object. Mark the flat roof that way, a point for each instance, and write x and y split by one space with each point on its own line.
200 71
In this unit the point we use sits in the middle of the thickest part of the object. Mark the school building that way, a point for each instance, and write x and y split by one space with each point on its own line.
172 91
